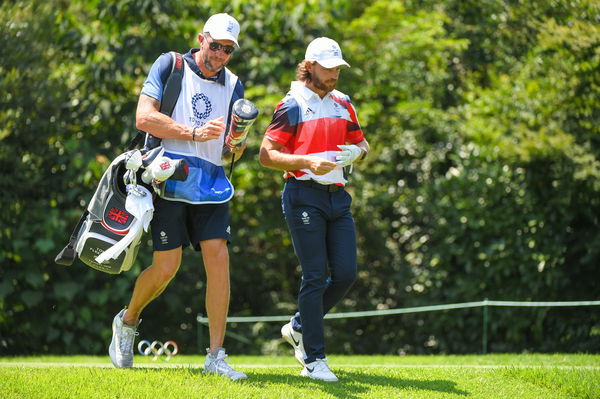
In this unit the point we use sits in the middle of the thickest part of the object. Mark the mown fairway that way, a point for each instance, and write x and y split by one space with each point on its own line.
490 377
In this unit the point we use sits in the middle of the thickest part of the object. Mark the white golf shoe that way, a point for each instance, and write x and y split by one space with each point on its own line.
216 364
294 338
121 346
319 370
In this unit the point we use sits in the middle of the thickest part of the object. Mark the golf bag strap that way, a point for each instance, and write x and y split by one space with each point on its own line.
173 86
171 90
136 140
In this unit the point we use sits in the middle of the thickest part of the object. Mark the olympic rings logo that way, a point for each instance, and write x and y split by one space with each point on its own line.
158 349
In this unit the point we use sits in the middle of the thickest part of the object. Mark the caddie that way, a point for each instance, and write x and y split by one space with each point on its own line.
195 211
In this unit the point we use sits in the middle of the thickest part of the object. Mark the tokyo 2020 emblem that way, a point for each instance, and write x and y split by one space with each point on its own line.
201 106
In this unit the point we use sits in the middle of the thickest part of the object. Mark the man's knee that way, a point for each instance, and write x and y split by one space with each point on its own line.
215 251
216 257
214 247
314 281
166 263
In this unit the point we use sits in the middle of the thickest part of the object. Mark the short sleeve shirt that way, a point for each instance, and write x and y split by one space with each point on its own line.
305 124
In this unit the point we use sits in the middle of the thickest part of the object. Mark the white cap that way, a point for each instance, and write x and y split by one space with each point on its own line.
326 52
222 27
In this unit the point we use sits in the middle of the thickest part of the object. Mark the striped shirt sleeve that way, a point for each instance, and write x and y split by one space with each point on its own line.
284 122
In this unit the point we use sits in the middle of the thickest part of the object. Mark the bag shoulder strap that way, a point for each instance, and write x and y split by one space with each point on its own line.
171 90
172 87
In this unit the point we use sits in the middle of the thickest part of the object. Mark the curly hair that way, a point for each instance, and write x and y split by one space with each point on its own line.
302 73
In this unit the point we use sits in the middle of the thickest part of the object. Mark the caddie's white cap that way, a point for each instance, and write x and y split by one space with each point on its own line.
326 52
222 27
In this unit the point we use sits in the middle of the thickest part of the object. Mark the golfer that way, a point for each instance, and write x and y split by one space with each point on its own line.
316 139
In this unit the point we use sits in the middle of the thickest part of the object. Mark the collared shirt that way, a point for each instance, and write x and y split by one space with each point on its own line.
307 125
159 73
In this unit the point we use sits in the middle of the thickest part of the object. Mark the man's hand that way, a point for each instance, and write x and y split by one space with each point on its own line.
211 130
349 154
320 166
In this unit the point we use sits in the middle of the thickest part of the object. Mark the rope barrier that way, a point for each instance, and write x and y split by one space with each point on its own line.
485 304
386 312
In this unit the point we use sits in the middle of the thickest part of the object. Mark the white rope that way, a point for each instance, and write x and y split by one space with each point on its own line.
432 308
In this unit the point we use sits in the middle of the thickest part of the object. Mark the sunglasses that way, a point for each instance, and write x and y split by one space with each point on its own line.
214 46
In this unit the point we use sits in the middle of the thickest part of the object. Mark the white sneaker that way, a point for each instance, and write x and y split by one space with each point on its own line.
216 364
294 338
318 370
121 346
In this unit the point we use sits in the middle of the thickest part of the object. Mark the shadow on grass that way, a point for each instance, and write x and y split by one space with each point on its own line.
353 384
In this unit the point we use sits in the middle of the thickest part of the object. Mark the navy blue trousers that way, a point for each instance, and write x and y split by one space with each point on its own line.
324 239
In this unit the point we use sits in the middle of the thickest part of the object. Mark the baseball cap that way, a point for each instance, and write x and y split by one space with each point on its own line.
326 52
222 27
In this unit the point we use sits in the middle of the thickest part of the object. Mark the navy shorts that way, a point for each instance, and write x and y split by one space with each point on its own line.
178 224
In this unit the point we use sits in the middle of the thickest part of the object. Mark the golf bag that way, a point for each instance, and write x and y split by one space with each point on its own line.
108 235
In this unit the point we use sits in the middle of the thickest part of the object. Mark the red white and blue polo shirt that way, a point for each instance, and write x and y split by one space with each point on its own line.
305 124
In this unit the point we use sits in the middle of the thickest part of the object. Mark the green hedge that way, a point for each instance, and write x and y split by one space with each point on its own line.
482 182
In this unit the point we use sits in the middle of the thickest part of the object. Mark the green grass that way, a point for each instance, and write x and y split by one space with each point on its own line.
489 377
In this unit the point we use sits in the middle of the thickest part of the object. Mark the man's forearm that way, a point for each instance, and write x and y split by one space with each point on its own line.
275 159
149 119
162 126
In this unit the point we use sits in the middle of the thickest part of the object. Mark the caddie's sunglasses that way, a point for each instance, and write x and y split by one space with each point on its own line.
214 46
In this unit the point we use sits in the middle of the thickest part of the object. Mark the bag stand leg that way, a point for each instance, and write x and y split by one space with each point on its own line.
66 257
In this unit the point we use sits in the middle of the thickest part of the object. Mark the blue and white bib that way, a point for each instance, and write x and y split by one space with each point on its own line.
200 100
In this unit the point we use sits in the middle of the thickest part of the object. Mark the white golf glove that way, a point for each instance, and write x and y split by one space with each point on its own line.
349 154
